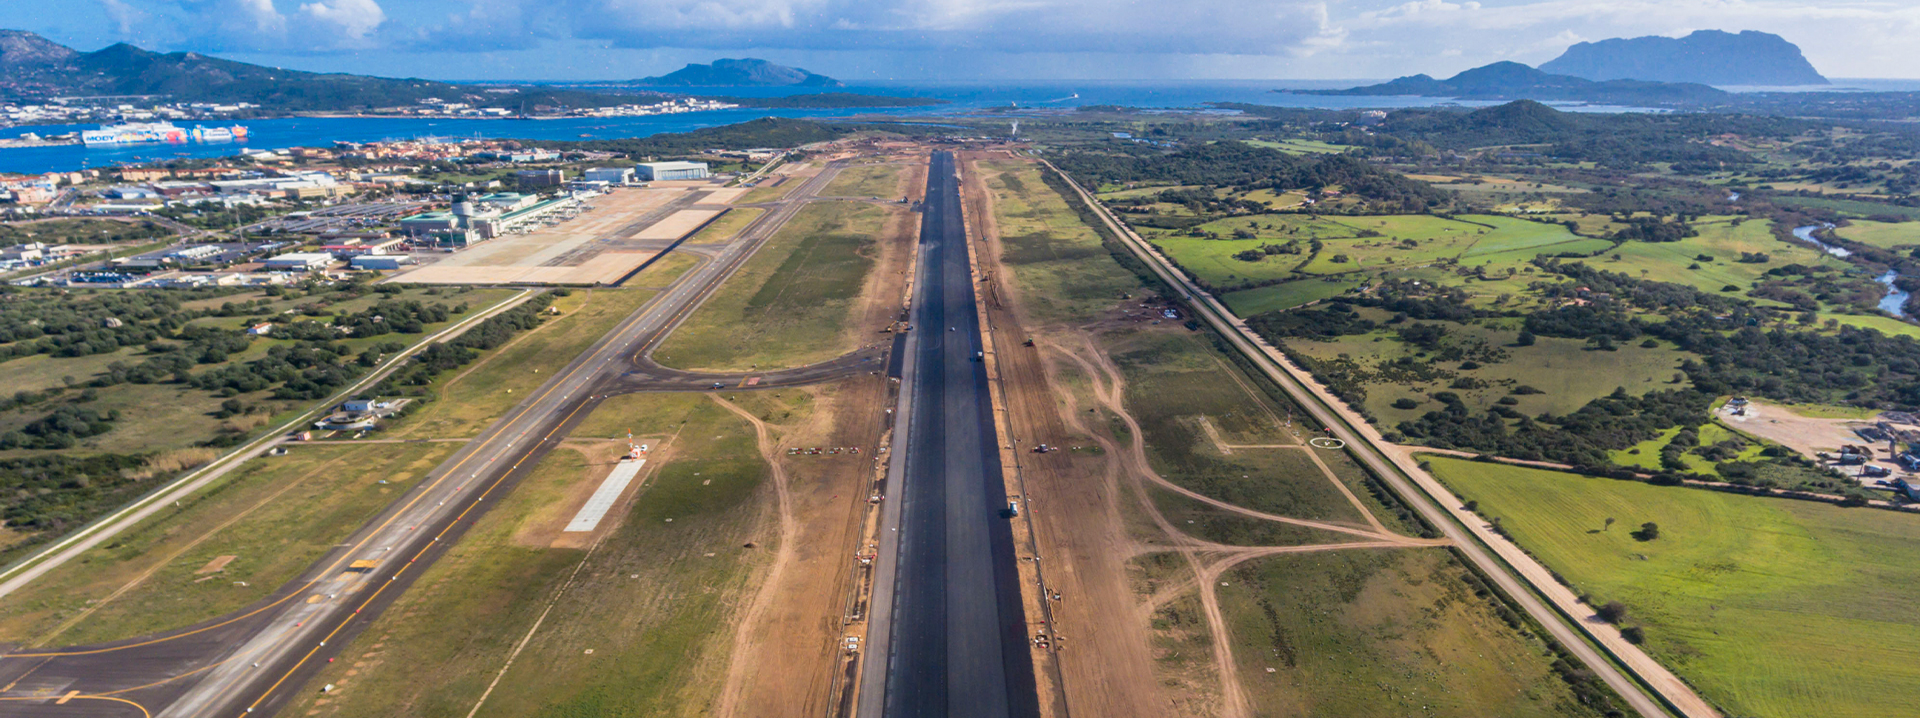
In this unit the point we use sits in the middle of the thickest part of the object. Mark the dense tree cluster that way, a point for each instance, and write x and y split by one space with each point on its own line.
1582 438
1654 229
489 333
61 429
1243 166
1623 140
51 492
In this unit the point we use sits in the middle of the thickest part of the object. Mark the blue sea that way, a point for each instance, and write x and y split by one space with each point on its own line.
964 98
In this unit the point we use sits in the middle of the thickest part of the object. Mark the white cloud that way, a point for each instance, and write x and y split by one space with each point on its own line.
126 19
353 19
254 15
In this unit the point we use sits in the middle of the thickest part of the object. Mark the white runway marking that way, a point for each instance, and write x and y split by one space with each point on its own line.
602 500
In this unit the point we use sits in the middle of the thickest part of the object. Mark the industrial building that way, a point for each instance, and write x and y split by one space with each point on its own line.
610 175
299 262
665 171
379 262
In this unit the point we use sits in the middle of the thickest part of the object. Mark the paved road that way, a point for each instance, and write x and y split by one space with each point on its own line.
957 632
253 661
1422 498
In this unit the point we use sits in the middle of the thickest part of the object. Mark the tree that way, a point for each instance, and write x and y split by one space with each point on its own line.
1609 526
1524 340
1634 635
1648 532
1613 612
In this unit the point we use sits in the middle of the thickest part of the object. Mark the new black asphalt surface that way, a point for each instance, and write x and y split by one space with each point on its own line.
958 645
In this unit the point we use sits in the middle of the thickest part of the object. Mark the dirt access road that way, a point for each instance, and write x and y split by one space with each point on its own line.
1078 507
1518 575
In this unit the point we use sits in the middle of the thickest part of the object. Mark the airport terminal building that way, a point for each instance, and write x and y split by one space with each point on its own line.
661 171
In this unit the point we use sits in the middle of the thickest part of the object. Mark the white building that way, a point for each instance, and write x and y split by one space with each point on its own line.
379 262
661 171
299 262
610 175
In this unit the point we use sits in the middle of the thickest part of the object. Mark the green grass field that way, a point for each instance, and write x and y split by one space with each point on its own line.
1174 381
1566 373
1669 261
1048 251
1771 608
1382 633
81 231
791 304
1248 302
163 416
643 629
1411 240
277 515
881 181
1301 147
1646 454
1855 208
1886 235
43 371
471 397
726 226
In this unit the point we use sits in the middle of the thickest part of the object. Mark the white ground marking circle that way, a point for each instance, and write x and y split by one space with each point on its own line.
1326 443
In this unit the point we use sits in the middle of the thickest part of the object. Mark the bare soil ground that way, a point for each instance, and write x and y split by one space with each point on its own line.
1088 507
787 652
1805 434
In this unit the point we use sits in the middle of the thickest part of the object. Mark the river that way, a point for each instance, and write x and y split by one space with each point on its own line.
1895 300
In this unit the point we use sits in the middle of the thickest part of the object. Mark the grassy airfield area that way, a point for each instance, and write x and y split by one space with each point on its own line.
1773 609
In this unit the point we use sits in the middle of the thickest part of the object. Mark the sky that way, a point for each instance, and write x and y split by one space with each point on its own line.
878 40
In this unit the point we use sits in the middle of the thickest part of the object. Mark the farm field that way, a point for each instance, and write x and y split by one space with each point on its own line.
790 304
1047 249
639 625
274 516
1771 608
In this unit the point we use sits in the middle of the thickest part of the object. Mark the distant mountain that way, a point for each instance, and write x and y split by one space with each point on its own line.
748 72
1708 57
1514 81
32 66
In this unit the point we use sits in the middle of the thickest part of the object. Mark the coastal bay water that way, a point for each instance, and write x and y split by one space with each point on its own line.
975 98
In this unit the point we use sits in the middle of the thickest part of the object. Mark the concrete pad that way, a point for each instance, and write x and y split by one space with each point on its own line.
678 224
606 496
726 195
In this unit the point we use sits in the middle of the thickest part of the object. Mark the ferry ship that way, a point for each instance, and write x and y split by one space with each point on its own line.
134 133
219 134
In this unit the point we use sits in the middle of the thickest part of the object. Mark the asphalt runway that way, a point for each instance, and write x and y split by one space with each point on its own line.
958 631
251 663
